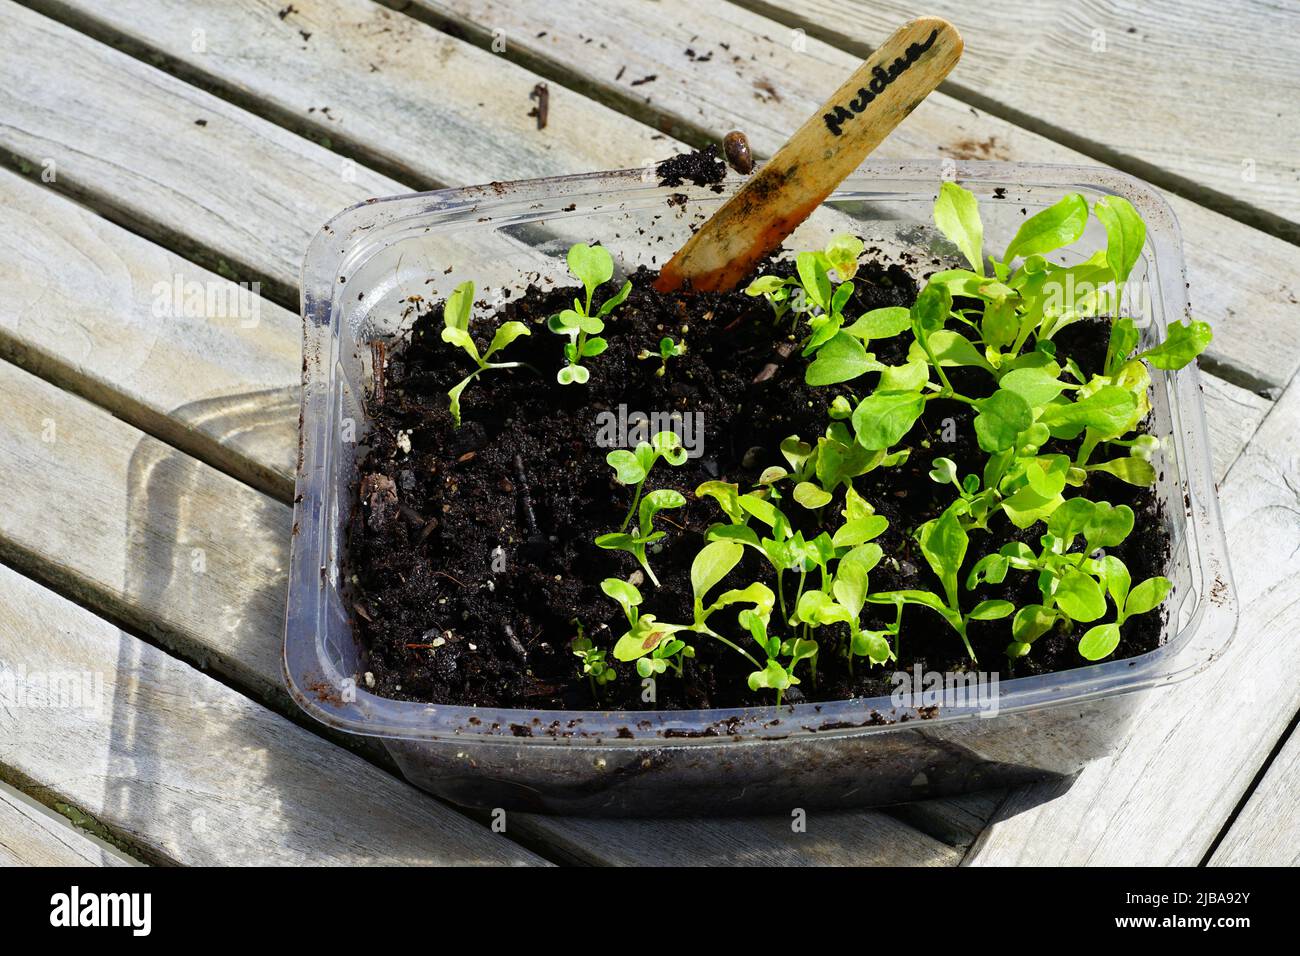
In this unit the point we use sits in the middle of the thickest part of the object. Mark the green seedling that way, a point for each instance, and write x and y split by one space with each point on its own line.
818 472
647 641
632 467
667 349
636 542
592 266
1073 584
782 656
597 670
1100 641
713 563
455 317
819 290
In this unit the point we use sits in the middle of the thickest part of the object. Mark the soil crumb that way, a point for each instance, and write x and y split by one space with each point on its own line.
704 167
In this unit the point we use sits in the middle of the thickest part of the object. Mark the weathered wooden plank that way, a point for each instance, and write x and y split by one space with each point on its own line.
182 352
398 95
1235 435
1197 120
1241 279
192 556
250 193
183 552
193 772
718 67
33 835
1233 414
1267 831
1193 751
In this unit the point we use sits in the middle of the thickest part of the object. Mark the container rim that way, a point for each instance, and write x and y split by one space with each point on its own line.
315 684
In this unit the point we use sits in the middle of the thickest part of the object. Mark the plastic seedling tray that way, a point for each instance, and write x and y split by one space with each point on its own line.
360 272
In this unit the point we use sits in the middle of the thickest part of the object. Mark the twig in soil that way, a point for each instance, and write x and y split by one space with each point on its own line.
377 360
529 515
427 530
515 646
783 353
542 94
410 514
450 577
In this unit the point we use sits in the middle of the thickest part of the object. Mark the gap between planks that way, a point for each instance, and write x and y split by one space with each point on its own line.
1262 831
32 834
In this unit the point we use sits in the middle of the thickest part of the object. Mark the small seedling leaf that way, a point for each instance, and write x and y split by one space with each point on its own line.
956 213
881 420
1099 642
1054 227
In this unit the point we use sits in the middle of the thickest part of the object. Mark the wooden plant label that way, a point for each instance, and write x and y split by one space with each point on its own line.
831 144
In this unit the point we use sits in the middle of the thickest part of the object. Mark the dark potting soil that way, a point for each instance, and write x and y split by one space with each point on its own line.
472 555
702 167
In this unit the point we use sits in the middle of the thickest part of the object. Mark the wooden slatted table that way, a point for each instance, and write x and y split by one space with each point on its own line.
148 461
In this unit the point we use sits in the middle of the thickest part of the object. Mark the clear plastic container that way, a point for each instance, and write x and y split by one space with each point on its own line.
360 271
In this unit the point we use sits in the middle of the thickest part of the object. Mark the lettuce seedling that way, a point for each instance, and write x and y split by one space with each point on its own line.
956 214
667 349
714 562
632 467
635 543
820 289
850 589
593 266
818 471
1073 584
882 418
1100 641
594 666
776 674
944 543
647 641
455 317
778 292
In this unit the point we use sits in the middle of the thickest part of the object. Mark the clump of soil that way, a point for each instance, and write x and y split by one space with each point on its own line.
472 551
703 167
